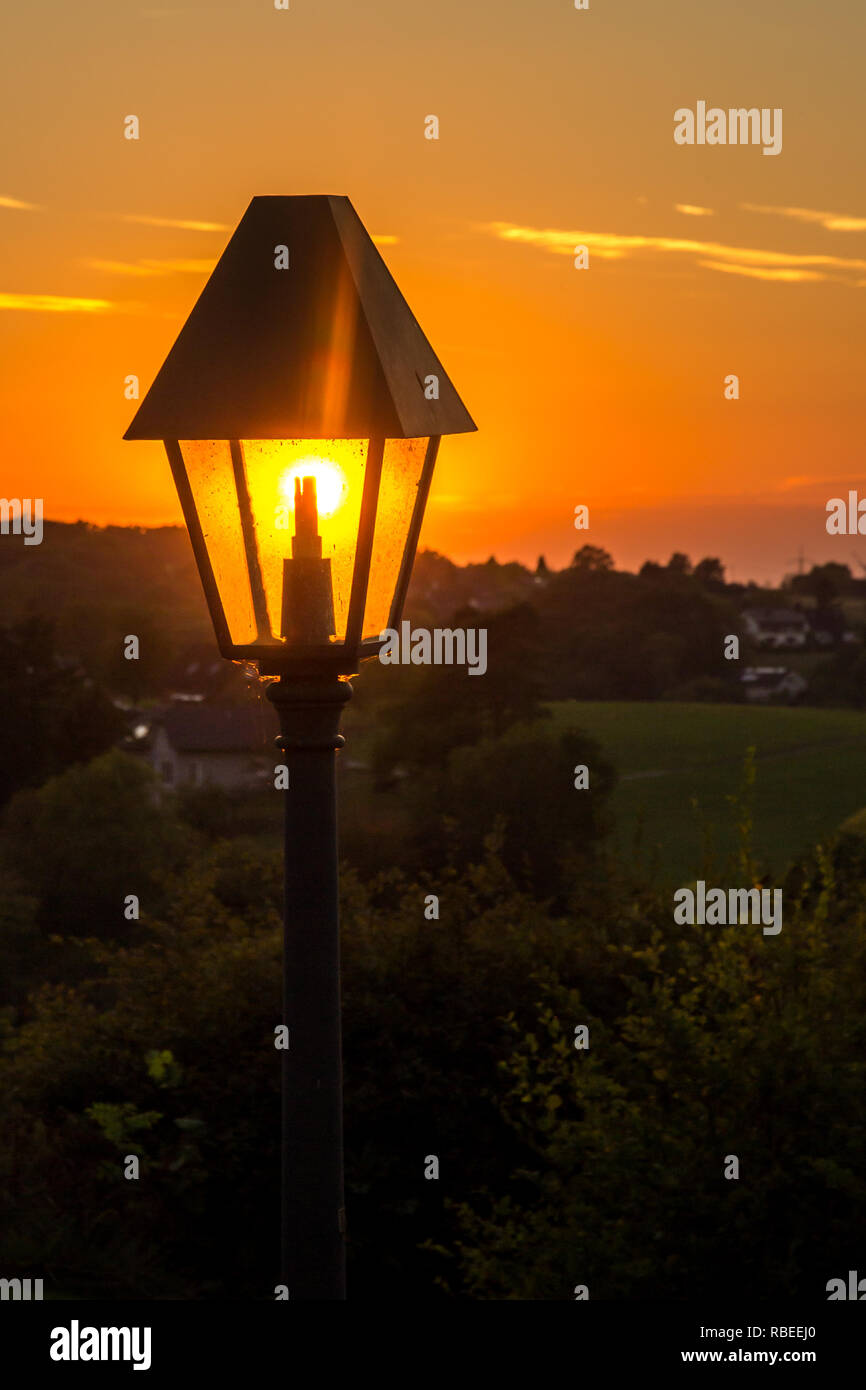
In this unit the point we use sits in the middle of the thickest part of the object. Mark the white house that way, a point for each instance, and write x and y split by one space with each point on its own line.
765 683
227 746
777 628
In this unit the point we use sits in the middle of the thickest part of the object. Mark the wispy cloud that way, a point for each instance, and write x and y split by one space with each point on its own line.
386 240
756 272
18 205
691 210
152 267
54 303
817 480
179 224
712 255
833 221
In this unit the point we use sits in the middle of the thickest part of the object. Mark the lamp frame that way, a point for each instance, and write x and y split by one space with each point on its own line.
281 658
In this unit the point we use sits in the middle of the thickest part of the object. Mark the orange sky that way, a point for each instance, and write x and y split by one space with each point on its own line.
556 127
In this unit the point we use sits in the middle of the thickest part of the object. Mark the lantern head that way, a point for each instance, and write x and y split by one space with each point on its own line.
301 409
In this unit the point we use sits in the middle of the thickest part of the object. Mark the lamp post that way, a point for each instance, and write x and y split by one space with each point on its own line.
301 409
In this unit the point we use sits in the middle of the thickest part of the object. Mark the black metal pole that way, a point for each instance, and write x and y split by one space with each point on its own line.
312 1246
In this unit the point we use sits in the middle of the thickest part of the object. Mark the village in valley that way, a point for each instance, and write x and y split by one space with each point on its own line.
195 724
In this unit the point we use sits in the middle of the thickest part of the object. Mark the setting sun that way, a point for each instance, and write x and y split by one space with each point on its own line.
331 483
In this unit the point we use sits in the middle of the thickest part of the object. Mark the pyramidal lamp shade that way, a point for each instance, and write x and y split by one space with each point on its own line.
301 409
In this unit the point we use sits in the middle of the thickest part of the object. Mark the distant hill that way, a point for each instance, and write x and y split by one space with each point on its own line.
601 633
81 574
100 581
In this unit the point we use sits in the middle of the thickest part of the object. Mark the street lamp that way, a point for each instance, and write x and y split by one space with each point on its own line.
301 409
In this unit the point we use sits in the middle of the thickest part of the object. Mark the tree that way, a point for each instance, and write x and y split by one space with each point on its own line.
602 1166
650 569
840 679
619 636
824 582
167 1050
89 838
710 572
592 558
679 563
519 788
626 1192
429 710
53 713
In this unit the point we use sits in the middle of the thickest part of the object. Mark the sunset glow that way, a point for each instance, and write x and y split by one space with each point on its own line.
331 483
601 386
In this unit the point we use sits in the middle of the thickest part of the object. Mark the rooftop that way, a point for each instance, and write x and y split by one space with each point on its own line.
206 728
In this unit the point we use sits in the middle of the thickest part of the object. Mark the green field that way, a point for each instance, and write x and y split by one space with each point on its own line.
810 775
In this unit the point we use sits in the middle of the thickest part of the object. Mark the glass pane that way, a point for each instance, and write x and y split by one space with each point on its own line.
275 470
401 472
305 566
211 477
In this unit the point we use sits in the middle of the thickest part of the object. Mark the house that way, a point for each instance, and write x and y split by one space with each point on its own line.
829 627
777 628
199 674
761 684
230 746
